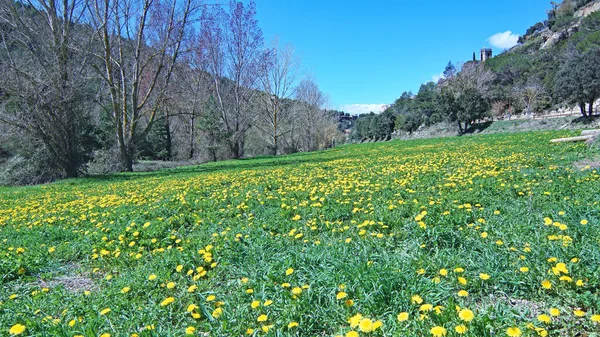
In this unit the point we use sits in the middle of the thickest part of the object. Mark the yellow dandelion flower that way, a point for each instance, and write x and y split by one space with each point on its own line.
17 329
460 329
377 325
416 299
513 332
355 320
262 318
438 331
167 301
341 295
546 284
365 325
217 313
426 307
403 316
466 315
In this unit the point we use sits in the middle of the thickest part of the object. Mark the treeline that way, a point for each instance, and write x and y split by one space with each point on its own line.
95 85
528 79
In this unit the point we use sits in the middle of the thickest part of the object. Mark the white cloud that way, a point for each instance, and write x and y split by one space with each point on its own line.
504 40
356 109
436 78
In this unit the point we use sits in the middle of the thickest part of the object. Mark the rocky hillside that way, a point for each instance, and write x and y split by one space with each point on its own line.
530 71
564 21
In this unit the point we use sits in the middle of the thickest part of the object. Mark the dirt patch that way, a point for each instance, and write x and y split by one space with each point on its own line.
72 281
525 308
587 164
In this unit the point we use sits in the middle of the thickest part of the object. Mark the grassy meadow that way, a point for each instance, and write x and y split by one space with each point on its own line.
489 235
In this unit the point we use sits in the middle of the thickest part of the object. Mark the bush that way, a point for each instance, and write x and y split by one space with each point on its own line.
37 169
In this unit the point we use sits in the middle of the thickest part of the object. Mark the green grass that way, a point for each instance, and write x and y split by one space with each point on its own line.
378 222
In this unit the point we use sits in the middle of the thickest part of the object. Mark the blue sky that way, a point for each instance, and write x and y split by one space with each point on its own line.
366 53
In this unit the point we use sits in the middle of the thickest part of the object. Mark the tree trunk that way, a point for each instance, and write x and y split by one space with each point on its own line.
460 128
72 170
591 109
275 144
236 146
582 107
192 139
126 159
169 142
241 143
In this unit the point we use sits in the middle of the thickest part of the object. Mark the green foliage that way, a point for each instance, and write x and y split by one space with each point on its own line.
578 80
471 106
158 144
374 126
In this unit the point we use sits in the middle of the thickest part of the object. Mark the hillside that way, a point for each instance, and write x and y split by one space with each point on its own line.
422 238
554 70
547 46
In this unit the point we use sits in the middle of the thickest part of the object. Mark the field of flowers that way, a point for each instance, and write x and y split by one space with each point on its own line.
475 236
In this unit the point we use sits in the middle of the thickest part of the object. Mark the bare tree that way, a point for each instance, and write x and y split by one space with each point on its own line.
141 42
530 95
473 76
231 46
278 76
44 79
188 96
314 126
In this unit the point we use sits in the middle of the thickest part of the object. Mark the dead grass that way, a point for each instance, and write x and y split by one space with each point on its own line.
587 164
524 308
73 280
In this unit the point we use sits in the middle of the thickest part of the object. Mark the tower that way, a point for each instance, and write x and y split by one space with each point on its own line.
486 53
